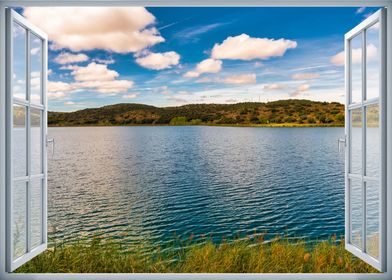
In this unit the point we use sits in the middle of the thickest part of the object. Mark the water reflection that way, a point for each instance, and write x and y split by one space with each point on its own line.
151 183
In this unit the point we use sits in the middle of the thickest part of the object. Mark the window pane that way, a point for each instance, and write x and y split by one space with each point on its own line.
356 141
19 143
36 141
372 218
19 218
356 69
36 212
373 61
19 62
356 212
36 69
373 141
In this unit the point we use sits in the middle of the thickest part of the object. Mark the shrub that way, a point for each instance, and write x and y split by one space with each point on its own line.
179 121
339 117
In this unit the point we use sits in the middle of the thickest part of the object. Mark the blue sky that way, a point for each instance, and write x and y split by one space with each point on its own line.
175 56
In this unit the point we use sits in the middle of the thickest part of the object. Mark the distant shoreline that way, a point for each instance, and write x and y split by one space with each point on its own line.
280 125
283 113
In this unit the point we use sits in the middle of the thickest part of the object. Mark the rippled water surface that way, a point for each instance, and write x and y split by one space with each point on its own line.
153 183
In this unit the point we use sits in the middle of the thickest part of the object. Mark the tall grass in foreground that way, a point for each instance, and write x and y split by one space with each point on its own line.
236 256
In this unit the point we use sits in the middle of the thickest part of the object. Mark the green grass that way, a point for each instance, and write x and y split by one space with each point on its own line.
236 256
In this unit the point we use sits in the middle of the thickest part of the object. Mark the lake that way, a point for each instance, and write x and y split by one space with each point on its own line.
154 184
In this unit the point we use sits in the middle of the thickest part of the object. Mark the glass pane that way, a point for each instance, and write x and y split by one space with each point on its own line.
19 218
36 141
373 61
36 69
19 62
373 141
356 212
356 69
19 142
372 218
356 141
36 212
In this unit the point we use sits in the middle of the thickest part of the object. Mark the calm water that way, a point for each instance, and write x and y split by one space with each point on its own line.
154 183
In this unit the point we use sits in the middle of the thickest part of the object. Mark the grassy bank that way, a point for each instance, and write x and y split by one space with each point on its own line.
239 256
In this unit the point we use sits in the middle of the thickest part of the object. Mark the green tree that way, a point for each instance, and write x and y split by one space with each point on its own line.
179 121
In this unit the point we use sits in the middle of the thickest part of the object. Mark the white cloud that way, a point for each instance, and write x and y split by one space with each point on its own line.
300 89
356 55
68 67
158 61
105 61
204 80
245 47
65 58
114 86
273 86
191 74
94 72
94 77
181 96
164 90
233 79
240 79
35 83
55 95
69 103
208 65
325 91
35 74
305 76
303 87
59 87
339 59
130 96
117 29
183 92
35 51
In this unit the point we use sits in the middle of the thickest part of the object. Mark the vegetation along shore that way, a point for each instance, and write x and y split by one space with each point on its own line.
283 113
246 255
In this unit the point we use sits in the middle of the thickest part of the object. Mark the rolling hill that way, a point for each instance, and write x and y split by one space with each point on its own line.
277 113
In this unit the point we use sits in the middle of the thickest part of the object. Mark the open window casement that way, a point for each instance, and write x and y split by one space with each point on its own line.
26 70
365 62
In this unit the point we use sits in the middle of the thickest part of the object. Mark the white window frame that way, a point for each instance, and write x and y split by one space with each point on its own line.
158 3
12 18
359 30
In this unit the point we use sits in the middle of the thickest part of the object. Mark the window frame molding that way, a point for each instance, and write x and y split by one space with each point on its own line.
13 17
362 30
193 3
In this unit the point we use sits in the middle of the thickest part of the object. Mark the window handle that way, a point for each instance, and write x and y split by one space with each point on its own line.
340 142
52 142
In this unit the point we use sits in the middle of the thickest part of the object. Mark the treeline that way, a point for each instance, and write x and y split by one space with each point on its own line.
283 112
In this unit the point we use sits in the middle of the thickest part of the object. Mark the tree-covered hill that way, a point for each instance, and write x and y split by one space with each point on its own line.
284 112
